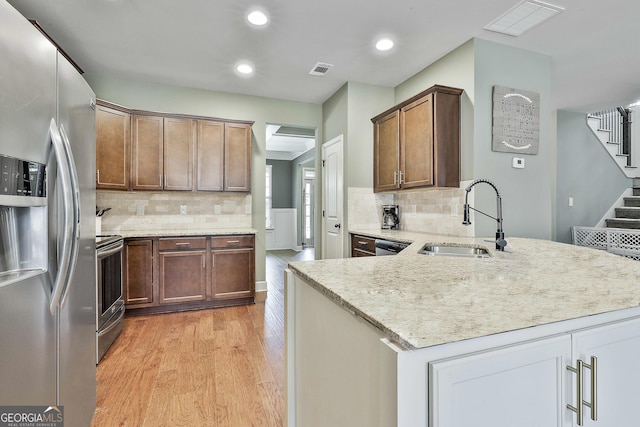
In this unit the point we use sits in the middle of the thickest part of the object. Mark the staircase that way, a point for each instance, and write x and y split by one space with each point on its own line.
628 216
608 128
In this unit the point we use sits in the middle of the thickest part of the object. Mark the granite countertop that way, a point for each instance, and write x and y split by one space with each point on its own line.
420 301
194 232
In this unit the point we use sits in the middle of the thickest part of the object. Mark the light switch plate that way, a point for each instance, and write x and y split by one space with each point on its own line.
183 209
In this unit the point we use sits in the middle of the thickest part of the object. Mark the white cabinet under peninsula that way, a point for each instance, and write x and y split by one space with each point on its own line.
482 343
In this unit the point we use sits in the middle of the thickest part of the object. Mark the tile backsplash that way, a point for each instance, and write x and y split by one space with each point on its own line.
437 211
161 210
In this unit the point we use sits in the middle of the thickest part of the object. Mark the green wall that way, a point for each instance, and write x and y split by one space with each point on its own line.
175 99
592 178
527 194
282 181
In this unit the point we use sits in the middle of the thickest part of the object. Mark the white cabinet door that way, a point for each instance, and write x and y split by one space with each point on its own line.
519 385
617 350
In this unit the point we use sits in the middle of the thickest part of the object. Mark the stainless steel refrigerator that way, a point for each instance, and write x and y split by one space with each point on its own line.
47 226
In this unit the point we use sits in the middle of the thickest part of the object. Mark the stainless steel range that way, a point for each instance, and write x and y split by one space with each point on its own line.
110 300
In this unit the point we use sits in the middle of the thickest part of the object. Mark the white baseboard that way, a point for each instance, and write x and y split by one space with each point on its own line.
261 291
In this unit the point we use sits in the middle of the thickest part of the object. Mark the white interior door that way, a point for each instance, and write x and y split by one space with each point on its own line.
332 193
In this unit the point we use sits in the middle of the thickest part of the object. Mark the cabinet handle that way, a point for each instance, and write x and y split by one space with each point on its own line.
183 244
401 178
395 178
233 241
98 176
362 243
165 180
578 408
593 405
203 262
213 260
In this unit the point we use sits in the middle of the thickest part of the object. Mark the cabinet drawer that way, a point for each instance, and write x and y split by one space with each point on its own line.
366 244
183 243
230 242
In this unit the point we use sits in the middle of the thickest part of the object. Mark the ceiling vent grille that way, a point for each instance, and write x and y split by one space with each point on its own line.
320 69
522 17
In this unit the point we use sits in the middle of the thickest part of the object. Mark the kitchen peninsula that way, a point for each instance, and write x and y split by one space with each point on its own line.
418 340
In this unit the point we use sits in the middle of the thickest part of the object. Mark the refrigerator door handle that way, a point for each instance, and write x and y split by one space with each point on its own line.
67 228
75 241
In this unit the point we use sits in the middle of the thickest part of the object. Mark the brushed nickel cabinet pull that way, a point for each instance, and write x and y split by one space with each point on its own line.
578 408
183 244
593 405
97 175
362 243
401 178
233 241
395 178
213 260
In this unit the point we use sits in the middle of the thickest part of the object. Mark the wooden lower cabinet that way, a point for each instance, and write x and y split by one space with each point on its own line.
182 277
191 273
138 273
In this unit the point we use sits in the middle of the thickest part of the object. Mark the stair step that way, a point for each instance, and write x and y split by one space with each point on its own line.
628 212
636 191
622 223
632 202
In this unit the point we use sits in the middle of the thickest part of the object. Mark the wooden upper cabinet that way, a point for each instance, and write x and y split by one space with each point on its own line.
386 152
179 140
147 166
417 142
142 150
416 157
237 157
113 147
210 158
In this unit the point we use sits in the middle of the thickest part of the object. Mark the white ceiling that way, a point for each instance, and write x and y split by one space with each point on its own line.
593 45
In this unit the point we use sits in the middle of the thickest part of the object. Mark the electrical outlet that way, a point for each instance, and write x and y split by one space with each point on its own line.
216 209
183 209
570 201
139 209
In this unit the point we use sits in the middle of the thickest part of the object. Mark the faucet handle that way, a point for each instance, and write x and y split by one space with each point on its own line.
500 241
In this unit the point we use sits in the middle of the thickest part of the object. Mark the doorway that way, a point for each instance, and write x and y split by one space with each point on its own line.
290 180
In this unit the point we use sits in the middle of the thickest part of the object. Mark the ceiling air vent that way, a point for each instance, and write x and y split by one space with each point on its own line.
320 69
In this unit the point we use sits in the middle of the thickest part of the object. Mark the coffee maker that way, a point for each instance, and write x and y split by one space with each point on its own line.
390 217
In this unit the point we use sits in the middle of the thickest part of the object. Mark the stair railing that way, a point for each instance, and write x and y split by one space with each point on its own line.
617 121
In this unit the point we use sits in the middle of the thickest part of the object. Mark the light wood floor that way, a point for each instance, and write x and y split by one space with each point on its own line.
216 367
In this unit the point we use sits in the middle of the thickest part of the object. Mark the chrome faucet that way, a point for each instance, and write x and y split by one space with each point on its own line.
500 242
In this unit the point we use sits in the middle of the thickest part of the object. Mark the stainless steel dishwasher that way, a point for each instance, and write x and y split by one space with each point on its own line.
389 247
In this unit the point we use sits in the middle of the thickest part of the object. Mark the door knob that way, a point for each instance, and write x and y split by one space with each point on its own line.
337 226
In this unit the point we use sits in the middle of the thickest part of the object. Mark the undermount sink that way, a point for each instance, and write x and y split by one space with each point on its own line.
454 250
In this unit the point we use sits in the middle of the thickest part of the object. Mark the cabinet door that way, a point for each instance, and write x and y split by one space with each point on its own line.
237 157
179 137
233 273
416 151
138 272
182 277
520 385
617 349
210 159
147 152
113 147
386 152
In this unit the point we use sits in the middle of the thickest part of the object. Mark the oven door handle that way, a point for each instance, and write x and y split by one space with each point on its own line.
64 176
107 252
75 213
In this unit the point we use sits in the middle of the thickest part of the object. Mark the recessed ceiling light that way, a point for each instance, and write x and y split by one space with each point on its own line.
257 18
244 68
384 44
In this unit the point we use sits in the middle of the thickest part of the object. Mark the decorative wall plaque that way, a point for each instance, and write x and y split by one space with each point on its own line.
516 120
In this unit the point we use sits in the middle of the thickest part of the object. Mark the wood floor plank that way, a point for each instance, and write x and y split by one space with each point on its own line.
220 367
